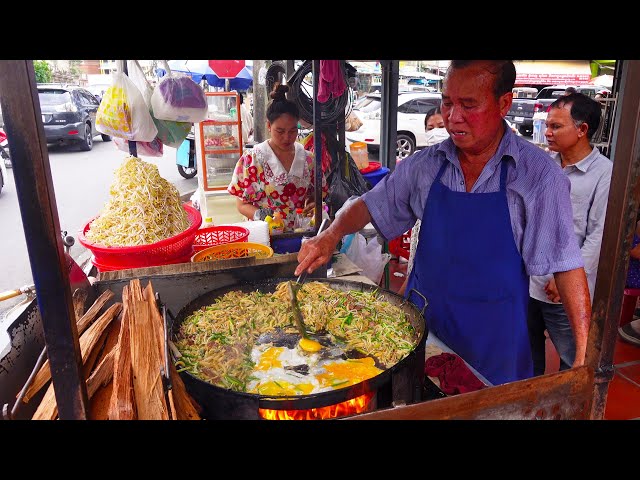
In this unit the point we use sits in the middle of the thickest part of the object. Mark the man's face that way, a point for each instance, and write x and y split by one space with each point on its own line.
561 132
472 115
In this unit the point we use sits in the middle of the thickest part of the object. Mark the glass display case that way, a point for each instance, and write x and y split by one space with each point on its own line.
219 141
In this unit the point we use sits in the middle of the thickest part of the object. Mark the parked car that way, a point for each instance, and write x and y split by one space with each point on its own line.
69 115
412 108
98 90
523 109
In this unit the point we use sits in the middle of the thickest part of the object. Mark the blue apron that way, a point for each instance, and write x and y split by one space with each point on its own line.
468 267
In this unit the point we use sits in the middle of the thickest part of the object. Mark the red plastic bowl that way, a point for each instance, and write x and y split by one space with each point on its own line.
170 250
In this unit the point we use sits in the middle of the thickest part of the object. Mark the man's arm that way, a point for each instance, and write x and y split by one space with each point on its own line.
318 250
574 291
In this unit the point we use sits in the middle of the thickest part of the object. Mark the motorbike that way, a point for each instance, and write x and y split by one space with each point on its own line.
186 156
4 148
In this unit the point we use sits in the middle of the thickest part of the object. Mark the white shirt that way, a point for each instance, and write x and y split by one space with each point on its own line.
590 179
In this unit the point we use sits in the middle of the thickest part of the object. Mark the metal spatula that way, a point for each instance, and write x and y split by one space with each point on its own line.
306 343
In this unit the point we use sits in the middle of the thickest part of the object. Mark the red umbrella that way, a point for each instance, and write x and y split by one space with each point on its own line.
226 68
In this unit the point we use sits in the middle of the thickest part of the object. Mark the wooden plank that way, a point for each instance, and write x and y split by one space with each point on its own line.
558 396
183 406
44 374
122 403
48 410
145 359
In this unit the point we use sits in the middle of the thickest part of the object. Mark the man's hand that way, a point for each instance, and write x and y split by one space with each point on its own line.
552 291
316 251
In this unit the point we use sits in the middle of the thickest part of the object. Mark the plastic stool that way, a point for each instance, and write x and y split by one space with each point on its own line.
629 301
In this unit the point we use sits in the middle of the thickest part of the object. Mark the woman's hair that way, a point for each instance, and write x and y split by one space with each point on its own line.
582 110
279 104
435 111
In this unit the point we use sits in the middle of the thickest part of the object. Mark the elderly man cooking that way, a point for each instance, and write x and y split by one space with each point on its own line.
494 209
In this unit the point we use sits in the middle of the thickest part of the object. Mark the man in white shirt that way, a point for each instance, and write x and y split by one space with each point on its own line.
571 122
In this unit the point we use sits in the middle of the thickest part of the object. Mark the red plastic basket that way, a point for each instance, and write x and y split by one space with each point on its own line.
176 249
212 236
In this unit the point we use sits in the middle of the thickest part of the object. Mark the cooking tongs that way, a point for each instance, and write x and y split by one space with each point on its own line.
295 286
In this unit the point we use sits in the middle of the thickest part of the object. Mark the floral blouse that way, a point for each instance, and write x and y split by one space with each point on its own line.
260 179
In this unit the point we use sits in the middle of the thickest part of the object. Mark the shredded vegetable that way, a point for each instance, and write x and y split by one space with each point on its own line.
143 208
215 341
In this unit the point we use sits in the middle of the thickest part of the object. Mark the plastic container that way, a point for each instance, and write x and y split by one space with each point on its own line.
276 224
233 250
539 128
165 252
373 166
286 245
374 177
360 154
219 235
300 222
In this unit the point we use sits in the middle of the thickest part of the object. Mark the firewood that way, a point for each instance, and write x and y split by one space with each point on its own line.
182 406
44 374
99 405
102 374
79 298
93 311
145 358
48 409
186 407
122 404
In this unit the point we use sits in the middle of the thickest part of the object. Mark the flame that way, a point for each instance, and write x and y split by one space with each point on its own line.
350 407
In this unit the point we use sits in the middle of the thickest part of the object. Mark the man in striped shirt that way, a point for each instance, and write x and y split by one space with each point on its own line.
495 209
571 123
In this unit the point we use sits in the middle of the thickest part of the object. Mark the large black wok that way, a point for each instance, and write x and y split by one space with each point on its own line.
404 379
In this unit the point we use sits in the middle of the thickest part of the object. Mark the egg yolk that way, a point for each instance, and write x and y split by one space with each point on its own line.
343 374
284 388
309 345
270 359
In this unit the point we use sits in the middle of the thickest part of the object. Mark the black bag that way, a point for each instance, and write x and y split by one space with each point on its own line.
345 180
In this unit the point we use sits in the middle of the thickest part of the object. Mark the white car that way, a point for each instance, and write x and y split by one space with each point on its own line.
412 108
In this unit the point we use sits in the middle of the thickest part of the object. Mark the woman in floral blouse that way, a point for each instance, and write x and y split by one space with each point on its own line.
278 174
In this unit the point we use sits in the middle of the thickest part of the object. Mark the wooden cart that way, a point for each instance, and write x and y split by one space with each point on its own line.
578 393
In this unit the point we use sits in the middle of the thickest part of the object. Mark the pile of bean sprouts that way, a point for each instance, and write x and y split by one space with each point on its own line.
143 208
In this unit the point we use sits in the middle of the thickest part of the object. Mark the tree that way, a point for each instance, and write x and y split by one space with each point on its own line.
43 71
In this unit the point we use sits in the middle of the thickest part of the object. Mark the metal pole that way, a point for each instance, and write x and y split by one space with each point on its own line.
317 141
133 148
260 100
389 113
34 186
620 221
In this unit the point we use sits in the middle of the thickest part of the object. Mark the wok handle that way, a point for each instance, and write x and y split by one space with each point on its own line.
9 294
426 302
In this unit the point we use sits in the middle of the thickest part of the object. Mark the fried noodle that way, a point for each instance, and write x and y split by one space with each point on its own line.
215 341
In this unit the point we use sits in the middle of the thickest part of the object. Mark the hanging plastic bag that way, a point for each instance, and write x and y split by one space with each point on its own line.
123 113
367 254
143 149
345 181
179 98
169 132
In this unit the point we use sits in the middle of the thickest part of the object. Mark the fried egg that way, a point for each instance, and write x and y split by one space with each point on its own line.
283 371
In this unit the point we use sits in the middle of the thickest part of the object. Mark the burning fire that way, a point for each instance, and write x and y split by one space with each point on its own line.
350 407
